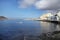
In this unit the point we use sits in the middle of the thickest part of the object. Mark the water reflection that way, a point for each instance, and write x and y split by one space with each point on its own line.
49 27
50 31
46 29
28 30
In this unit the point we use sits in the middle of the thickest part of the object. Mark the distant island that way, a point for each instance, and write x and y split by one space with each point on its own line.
3 18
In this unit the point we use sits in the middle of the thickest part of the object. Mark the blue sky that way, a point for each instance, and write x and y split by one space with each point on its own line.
9 8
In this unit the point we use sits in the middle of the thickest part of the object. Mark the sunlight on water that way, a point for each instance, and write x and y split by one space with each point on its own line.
25 30
20 22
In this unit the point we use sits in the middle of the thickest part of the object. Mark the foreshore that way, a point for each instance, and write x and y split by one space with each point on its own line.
50 36
49 21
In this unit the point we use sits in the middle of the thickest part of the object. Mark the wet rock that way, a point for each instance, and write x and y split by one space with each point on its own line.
50 36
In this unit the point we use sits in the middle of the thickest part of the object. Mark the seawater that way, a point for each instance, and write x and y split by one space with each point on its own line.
25 29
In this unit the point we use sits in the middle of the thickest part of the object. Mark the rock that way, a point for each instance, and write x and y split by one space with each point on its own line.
50 36
2 18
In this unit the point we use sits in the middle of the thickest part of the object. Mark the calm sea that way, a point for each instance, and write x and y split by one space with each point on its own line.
25 29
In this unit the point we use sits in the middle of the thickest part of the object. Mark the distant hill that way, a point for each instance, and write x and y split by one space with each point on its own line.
2 18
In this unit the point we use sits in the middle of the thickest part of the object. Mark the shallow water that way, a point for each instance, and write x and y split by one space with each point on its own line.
24 29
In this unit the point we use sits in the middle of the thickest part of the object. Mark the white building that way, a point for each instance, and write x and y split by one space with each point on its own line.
46 16
51 17
58 16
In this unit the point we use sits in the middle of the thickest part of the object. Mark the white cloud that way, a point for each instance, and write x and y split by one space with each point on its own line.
48 4
51 5
27 3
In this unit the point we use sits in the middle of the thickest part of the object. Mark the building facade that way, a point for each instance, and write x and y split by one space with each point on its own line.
50 16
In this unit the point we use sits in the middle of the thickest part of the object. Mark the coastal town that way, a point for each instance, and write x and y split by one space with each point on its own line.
47 17
51 16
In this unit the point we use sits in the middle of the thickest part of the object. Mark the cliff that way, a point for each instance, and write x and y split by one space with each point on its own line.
2 18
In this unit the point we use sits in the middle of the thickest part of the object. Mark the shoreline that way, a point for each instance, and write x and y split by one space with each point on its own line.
50 21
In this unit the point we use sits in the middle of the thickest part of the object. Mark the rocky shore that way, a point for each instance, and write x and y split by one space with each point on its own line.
45 36
50 36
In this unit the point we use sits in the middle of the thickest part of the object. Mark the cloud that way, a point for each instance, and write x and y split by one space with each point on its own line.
48 4
27 3
51 5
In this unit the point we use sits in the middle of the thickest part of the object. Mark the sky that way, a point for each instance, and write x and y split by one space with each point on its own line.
10 9
28 8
